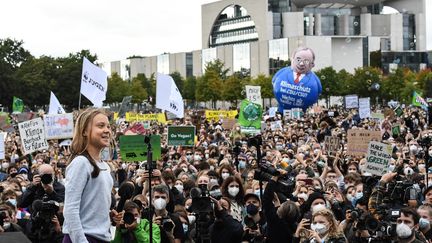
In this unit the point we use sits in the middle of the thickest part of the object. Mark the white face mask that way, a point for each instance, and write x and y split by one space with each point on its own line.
413 149
403 231
124 166
159 203
367 174
185 169
5 165
225 175
191 219
430 153
421 166
304 196
207 156
350 197
359 195
408 171
179 188
423 223
214 181
318 207
319 228
233 191
197 157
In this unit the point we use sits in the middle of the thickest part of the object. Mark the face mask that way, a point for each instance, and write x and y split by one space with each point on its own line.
367 174
124 166
279 147
317 175
185 169
191 219
188 157
257 192
286 160
159 203
12 201
179 188
318 188
225 175
304 196
423 223
319 228
13 175
403 231
5 165
233 191
421 166
242 164
316 151
185 228
430 153
6 225
413 149
350 197
25 165
138 220
197 157
251 209
23 188
392 167
318 207
214 181
207 156
359 195
408 171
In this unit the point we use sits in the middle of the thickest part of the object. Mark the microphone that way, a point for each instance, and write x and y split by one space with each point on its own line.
126 191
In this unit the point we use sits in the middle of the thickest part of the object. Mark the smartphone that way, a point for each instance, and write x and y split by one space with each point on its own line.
307 181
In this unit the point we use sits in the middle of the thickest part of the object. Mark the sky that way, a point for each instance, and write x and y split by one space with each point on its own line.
114 30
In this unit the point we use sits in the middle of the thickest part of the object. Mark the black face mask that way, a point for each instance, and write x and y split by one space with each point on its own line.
13 175
251 209
47 179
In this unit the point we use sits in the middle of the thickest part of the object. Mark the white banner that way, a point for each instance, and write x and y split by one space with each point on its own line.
351 101
2 145
32 135
55 106
168 96
364 108
253 94
378 158
276 125
59 126
94 84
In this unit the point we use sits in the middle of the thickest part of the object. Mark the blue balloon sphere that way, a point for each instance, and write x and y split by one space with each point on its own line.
290 94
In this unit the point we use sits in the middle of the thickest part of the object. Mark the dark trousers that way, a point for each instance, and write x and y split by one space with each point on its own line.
90 239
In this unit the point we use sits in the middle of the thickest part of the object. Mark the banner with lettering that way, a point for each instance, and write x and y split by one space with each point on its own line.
217 115
32 135
159 117
59 126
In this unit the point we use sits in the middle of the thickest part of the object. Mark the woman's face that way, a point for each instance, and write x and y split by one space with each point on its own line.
100 134
234 184
352 169
319 219
203 180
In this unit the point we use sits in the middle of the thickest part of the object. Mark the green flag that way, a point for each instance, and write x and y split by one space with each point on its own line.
417 100
250 114
17 105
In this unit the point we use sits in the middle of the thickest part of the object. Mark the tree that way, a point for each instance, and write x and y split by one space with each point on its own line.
232 88
137 91
219 67
344 78
117 88
329 81
266 85
178 80
363 80
12 56
424 82
189 89
394 84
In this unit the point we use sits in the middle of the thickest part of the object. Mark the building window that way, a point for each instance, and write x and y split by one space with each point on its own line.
409 38
163 64
189 64
278 54
241 59
207 55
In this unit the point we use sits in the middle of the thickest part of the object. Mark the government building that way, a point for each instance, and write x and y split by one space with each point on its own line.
259 36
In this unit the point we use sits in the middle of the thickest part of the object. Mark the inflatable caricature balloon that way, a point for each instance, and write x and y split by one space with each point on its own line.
297 86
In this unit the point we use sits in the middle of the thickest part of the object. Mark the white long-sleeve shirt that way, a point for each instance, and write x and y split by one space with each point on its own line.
87 201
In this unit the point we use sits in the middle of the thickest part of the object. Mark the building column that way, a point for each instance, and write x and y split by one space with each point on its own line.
311 25
317 24
343 25
366 24
420 28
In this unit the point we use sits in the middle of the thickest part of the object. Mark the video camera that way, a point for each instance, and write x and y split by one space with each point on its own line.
285 184
201 202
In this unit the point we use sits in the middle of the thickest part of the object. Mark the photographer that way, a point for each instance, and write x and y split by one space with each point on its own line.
171 227
407 227
281 221
378 194
254 221
43 183
131 228
225 228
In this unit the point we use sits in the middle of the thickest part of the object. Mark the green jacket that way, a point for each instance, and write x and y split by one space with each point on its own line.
141 233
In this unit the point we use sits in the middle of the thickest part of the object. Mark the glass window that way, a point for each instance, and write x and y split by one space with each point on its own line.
207 55
163 63
278 54
241 58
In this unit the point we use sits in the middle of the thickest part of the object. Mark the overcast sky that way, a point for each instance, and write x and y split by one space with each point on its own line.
112 29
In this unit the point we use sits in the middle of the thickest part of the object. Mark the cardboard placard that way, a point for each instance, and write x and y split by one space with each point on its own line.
181 136
332 143
253 94
378 158
276 125
358 141
134 117
351 101
32 135
364 108
133 148
59 126
229 123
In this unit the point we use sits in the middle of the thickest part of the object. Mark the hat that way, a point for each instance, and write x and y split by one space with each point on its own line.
212 184
312 197
23 170
427 190
249 195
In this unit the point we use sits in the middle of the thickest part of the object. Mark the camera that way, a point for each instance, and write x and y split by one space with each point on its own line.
128 218
201 202
285 184
250 223
2 217
44 211
167 223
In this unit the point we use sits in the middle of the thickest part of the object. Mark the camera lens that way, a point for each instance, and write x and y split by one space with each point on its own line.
128 218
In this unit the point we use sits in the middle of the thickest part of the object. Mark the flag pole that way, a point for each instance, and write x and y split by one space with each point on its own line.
79 101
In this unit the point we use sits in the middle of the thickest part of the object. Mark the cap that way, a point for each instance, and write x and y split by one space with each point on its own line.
23 170
249 195
212 184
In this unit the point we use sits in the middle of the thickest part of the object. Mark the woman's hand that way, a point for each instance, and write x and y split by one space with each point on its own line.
302 226
314 235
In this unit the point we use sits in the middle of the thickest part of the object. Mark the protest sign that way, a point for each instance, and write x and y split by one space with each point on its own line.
378 158
59 126
32 135
272 111
331 143
276 125
229 123
253 94
364 108
133 148
181 136
297 113
396 130
358 141
134 117
124 105
398 111
2 145
222 114
250 117
377 116
351 101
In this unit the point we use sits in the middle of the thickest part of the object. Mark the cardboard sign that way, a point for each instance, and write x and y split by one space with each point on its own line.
2 145
133 148
276 125
181 136
229 124
351 101
59 126
331 143
272 111
364 108
398 111
287 114
253 94
396 130
377 116
217 115
378 158
358 141
32 135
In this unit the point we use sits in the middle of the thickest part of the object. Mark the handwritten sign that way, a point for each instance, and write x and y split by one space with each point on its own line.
32 135
59 126
358 141
134 117
351 101
253 94
276 125
378 158
222 114
364 108
332 143
133 148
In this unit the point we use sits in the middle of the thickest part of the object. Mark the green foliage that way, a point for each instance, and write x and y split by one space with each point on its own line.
424 81
137 91
363 79
178 80
188 91
117 88
329 81
232 88
266 85
217 66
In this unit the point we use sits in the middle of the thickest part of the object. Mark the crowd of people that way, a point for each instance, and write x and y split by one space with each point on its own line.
280 186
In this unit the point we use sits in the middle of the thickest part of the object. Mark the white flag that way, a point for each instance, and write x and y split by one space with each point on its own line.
168 96
94 83
55 106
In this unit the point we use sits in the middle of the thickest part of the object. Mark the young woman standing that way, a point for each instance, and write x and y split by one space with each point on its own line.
88 181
